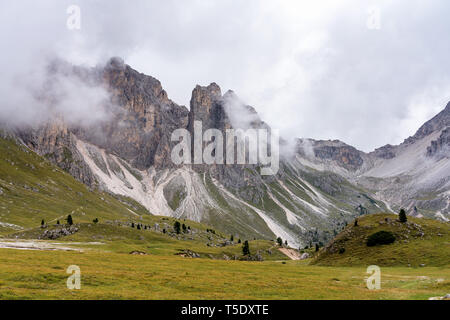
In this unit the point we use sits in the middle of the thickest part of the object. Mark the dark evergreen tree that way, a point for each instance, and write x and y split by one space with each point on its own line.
280 241
42 223
231 238
177 227
69 220
95 220
402 216
246 248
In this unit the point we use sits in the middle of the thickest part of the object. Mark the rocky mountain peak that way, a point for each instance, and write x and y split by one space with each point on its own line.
438 122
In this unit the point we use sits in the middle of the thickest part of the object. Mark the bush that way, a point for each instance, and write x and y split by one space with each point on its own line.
380 237
95 220
402 216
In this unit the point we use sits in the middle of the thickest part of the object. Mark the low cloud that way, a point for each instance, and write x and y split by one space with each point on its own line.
310 69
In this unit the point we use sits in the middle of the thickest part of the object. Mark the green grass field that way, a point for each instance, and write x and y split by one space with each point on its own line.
109 275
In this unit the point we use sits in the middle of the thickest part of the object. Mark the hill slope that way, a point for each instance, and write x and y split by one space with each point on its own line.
418 242
32 189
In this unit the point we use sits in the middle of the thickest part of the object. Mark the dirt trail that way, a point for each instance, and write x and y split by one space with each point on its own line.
291 253
39 245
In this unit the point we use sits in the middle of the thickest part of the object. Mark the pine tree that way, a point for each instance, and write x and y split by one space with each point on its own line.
95 220
246 248
402 216
132 224
42 223
57 222
239 241
280 241
285 242
177 227
184 228
231 238
317 247
69 220
139 227
356 223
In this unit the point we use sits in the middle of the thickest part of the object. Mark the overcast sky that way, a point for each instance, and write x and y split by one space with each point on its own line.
365 72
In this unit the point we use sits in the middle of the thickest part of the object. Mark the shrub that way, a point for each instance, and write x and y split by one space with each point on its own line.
402 216
380 237
341 250
95 220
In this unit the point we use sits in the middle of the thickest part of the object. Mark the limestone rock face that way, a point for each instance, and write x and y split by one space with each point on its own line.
144 118
54 141
441 146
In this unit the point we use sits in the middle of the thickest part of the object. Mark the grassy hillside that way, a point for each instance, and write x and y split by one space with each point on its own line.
418 242
120 237
32 189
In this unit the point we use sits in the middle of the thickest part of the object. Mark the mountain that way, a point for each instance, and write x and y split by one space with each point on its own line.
319 187
414 174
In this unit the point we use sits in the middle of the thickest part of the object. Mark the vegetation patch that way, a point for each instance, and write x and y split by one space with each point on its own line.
380 238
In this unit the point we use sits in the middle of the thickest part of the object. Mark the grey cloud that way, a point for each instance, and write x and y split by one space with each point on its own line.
310 69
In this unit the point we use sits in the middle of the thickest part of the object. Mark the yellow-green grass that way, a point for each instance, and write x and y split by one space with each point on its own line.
410 247
106 275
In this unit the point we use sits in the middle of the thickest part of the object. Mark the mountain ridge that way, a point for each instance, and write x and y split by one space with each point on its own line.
319 187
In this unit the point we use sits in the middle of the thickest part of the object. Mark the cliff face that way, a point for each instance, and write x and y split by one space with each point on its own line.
441 146
143 119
